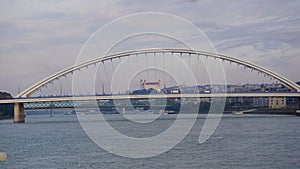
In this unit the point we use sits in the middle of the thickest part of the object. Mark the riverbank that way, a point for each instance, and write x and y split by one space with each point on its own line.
5 117
274 112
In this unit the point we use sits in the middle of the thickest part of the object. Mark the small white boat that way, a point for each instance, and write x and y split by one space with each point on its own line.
237 112
297 112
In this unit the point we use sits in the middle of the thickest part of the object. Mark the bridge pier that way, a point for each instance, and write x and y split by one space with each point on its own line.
19 113
51 113
298 107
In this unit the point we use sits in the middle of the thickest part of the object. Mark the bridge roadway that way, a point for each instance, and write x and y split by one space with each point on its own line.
19 113
151 96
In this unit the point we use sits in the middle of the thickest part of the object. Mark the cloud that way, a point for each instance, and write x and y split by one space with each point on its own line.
40 37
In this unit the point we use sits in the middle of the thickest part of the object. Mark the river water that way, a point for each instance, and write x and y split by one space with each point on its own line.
246 141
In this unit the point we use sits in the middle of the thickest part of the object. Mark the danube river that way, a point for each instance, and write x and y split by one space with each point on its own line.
245 141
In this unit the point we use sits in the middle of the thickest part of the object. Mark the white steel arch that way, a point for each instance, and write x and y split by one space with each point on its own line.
288 83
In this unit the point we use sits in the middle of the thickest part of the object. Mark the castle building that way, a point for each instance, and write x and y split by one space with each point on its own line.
150 85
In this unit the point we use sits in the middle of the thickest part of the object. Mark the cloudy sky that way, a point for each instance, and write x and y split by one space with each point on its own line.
38 38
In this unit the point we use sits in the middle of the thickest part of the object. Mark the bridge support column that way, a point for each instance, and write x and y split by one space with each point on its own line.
298 107
19 114
51 113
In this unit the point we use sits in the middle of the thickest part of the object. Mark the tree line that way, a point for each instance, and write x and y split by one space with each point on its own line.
6 110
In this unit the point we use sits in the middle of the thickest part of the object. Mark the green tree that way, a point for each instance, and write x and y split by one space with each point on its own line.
6 110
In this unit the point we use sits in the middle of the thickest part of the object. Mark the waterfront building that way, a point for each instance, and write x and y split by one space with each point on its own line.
292 103
235 88
277 102
260 102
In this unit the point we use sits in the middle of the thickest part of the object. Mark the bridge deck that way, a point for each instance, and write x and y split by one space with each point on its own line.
152 96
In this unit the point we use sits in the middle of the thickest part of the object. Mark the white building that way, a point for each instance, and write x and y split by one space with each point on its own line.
150 85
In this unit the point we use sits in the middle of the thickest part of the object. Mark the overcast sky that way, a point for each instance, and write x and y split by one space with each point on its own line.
38 38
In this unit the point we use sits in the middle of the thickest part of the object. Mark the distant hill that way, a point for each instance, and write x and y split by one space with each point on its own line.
5 95
6 110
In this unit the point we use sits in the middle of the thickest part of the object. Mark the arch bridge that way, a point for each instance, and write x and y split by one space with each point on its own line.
25 96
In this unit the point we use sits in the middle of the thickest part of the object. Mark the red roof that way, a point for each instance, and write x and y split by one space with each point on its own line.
152 83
